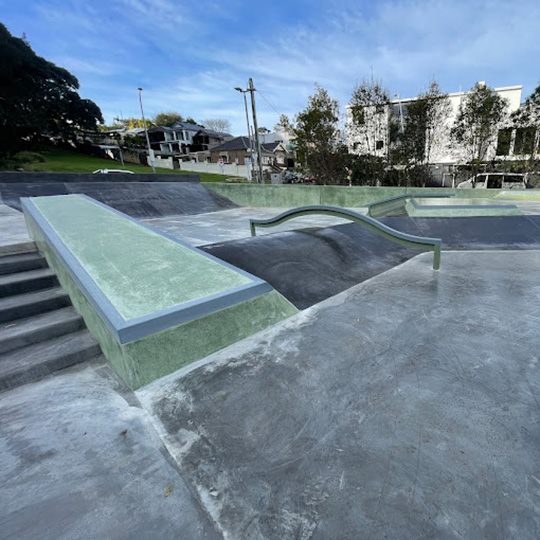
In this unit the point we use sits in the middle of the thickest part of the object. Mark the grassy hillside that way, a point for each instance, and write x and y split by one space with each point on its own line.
58 160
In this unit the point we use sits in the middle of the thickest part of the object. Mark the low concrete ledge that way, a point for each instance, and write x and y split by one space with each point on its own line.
153 302
424 207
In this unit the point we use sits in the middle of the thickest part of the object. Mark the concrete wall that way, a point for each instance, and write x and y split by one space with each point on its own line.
55 177
228 169
166 162
287 196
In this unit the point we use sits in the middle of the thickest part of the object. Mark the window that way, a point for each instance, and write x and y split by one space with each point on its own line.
379 145
494 181
503 142
524 140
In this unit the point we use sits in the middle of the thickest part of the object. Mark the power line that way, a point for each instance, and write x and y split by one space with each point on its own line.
269 103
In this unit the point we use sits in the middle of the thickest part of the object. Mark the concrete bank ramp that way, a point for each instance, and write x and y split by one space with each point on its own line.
136 199
311 265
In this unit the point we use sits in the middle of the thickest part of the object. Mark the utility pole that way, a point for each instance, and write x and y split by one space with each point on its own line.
150 155
244 92
251 89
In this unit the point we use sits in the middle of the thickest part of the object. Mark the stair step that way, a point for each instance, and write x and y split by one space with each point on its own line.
17 249
37 361
10 264
23 282
24 332
33 303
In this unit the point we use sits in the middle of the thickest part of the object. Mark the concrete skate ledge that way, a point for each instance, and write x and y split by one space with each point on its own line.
133 284
422 207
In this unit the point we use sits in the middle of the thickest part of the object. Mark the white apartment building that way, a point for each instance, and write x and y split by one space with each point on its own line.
373 136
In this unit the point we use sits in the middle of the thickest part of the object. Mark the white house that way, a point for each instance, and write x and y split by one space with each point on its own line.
373 136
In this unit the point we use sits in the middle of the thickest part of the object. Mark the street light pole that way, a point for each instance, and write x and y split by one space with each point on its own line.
251 89
150 156
243 92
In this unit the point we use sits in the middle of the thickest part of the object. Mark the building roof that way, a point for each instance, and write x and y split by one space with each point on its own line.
238 143
270 147
187 126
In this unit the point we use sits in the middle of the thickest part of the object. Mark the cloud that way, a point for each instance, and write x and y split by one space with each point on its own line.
190 56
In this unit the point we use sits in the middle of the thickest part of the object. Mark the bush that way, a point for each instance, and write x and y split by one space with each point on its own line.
25 157
368 170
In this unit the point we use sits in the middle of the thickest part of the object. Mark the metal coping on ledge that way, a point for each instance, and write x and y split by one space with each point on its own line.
140 327
409 196
404 239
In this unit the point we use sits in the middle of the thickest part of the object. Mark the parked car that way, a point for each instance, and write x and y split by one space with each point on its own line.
496 181
290 178
112 171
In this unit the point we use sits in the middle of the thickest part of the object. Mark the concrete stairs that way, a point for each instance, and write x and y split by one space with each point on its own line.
40 332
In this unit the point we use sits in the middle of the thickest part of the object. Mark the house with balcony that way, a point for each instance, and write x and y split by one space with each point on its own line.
184 139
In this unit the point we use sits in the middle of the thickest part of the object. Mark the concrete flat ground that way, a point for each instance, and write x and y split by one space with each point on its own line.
79 458
228 225
406 407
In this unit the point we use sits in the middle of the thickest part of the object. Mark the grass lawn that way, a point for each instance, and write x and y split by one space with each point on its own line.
65 161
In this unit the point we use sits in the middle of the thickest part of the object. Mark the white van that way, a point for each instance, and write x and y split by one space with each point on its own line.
496 181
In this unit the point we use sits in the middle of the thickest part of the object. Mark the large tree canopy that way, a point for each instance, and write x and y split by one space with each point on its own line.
167 119
37 97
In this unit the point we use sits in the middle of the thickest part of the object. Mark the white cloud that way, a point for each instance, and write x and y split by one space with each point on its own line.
190 56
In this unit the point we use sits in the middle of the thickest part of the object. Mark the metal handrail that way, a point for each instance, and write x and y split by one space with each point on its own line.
404 239
408 196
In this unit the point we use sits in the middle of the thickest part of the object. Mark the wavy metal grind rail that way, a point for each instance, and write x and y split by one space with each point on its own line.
386 202
408 240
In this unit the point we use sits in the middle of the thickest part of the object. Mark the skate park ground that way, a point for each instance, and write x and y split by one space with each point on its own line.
401 402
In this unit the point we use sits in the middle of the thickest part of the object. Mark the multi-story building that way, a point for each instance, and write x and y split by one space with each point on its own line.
372 135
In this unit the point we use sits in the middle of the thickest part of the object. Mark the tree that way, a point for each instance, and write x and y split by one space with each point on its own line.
315 135
284 124
527 119
424 130
38 98
167 119
370 116
479 116
218 124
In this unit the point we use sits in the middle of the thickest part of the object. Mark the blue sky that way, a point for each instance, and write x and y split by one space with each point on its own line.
189 56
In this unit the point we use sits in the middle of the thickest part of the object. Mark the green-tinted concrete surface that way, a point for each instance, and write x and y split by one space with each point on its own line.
139 271
527 195
287 196
458 207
